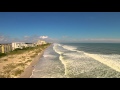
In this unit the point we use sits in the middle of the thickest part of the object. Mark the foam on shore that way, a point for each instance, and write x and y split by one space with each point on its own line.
114 64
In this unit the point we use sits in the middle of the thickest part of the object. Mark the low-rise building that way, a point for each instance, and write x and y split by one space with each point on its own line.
41 42
16 45
29 45
4 48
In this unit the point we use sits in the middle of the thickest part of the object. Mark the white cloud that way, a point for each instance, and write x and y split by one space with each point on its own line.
63 39
35 38
28 39
43 37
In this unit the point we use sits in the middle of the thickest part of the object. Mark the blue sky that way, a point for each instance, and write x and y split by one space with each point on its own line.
60 26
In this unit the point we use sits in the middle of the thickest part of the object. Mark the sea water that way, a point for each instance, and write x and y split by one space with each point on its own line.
79 60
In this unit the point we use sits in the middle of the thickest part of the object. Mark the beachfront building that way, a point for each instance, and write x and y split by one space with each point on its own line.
40 42
19 45
0 48
43 42
29 45
4 48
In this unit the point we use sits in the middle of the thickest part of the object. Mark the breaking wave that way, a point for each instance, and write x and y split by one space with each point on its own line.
68 61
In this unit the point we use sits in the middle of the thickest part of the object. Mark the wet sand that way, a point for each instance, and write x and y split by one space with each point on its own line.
28 71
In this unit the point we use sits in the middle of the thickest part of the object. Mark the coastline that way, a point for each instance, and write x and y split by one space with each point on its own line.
21 64
28 71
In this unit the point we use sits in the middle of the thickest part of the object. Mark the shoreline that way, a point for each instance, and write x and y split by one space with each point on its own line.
21 64
28 71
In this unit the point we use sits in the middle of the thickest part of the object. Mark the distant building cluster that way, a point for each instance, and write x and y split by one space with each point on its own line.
40 42
4 48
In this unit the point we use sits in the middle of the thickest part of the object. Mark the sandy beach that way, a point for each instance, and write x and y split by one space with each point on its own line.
20 65
28 71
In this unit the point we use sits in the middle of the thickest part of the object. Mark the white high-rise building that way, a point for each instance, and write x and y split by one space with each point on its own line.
16 45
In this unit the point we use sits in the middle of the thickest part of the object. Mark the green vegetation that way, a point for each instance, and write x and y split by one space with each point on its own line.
33 55
10 69
20 64
2 55
28 61
8 73
10 66
18 72
5 59
20 51
2 75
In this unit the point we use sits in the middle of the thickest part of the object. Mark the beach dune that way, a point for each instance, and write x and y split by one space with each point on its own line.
28 71
21 65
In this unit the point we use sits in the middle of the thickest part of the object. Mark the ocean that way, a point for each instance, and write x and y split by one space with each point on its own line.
79 60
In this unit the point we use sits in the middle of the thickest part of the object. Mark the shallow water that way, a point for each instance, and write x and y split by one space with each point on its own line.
79 61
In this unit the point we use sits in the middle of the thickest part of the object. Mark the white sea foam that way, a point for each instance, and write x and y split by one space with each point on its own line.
60 57
75 55
71 48
77 64
56 50
74 62
56 44
112 61
80 62
49 66
49 56
64 63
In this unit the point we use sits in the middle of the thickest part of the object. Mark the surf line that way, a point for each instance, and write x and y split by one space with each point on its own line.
112 64
61 59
